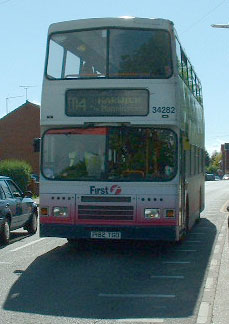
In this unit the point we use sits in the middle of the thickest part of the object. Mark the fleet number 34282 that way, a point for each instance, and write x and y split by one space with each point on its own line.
164 110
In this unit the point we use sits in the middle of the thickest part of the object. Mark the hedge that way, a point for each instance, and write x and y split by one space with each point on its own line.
18 170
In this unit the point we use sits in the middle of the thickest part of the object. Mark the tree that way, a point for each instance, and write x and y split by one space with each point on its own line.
207 159
214 165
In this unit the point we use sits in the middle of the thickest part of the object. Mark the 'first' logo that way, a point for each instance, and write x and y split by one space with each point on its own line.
113 190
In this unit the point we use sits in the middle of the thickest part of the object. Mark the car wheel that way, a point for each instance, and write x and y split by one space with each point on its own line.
5 232
31 226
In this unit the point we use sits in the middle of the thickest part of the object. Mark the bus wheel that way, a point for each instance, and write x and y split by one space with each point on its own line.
200 203
185 230
187 219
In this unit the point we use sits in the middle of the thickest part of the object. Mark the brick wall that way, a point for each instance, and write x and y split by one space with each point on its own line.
17 131
225 157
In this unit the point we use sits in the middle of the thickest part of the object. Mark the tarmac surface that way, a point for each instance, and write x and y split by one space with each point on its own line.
219 313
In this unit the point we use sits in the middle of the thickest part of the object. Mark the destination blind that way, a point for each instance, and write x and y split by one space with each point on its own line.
107 102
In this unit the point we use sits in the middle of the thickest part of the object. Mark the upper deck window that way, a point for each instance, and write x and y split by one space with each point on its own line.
110 53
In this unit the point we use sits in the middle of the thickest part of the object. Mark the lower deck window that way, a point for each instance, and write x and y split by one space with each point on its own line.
110 154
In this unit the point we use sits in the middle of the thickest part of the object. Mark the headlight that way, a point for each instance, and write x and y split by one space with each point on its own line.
152 213
60 211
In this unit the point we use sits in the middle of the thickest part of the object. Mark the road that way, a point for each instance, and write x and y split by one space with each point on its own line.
43 280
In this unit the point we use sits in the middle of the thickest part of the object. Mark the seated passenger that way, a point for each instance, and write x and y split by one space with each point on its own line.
87 70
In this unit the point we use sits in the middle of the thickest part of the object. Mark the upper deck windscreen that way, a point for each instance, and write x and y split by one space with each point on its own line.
110 53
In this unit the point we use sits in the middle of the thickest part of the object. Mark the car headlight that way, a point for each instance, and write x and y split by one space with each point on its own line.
60 211
152 213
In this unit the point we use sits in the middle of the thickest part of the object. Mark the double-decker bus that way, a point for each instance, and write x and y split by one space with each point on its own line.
122 125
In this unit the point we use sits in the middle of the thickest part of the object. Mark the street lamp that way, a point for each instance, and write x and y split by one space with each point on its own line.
220 25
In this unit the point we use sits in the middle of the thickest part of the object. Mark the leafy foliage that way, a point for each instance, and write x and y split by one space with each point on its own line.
214 165
18 170
207 159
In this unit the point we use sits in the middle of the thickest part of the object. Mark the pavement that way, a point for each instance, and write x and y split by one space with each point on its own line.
220 314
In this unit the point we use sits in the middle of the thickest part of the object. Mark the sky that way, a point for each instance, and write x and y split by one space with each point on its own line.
24 25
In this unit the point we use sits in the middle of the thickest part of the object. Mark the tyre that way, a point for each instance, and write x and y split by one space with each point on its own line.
187 219
200 204
5 232
31 226
185 229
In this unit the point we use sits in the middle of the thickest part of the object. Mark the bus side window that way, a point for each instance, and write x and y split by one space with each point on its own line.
178 56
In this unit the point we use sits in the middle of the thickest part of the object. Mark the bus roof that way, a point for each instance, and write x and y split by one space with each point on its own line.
125 21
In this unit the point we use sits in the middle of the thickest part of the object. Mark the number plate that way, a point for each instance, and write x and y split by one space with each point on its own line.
106 235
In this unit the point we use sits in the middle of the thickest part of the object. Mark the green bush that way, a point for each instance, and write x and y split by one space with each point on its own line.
18 170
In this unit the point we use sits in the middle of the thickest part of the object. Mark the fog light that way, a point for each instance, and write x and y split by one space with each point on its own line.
169 213
60 211
152 213
44 211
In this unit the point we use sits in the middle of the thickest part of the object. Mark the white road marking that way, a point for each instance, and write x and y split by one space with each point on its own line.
183 250
137 295
203 313
217 249
168 277
28 244
194 241
214 262
139 320
176 262
209 283
5 262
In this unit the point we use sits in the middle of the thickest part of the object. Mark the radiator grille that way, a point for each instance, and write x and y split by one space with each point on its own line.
105 199
106 212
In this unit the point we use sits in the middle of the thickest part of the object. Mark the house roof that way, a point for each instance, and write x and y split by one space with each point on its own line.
27 103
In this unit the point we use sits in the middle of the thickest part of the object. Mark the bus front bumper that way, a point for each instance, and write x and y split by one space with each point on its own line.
156 233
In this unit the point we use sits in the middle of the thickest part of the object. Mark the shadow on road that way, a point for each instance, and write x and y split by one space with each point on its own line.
92 282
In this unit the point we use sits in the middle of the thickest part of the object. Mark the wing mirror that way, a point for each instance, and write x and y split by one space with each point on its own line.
28 194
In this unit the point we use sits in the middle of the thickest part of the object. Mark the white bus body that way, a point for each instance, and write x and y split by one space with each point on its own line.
103 104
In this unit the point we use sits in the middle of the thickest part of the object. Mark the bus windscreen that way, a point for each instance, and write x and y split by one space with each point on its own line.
110 154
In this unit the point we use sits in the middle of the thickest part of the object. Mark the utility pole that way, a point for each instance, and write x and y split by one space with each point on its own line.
26 87
7 99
